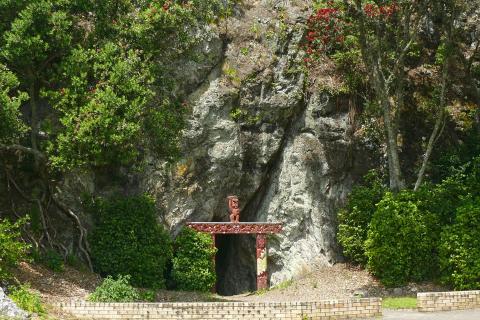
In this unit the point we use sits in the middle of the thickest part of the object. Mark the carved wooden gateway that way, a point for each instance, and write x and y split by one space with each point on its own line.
260 229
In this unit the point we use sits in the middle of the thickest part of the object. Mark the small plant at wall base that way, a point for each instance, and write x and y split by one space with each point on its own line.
26 299
193 266
12 250
115 290
128 240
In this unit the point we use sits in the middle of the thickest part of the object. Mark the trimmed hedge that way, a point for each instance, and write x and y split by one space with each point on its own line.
193 265
460 248
127 240
355 218
401 241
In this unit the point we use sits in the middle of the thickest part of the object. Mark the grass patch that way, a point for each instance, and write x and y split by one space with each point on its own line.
280 286
399 303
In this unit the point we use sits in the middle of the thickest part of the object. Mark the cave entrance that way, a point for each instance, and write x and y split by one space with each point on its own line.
233 277
234 264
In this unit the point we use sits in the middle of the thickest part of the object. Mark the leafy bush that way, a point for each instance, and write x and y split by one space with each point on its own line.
460 248
26 299
193 266
355 218
115 290
148 295
401 244
128 240
12 250
49 258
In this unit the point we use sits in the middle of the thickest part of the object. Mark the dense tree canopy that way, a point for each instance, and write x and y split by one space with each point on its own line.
87 85
403 58
103 67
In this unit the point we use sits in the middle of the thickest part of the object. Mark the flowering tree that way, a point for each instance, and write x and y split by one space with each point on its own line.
387 36
94 78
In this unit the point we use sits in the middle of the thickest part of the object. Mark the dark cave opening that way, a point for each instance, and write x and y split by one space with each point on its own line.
235 264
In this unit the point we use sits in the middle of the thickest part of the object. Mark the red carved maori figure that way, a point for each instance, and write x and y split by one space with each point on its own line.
233 209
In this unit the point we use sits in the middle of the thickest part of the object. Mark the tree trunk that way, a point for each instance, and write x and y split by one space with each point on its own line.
373 65
396 182
442 112
436 129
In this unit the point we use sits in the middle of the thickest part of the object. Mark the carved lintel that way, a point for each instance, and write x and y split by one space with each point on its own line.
236 228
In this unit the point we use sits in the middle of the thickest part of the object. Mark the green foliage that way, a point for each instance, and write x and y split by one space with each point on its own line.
243 116
401 244
53 260
460 248
49 258
354 219
463 184
12 249
105 68
148 295
102 120
128 240
40 31
26 299
349 62
12 126
458 158
193 265
115 290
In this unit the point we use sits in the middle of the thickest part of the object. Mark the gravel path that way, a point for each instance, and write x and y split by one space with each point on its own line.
340 281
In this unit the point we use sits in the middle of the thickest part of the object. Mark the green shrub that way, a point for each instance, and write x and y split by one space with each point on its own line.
26 299
460 248
355 218
49 258
401 245
12 250
127 239
193 266
148 295
112 290
53 260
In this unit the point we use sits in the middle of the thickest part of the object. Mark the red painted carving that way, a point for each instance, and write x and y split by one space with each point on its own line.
241 227
262 280
233 209
261 244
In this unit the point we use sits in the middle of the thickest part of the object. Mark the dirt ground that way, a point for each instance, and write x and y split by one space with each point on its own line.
335 282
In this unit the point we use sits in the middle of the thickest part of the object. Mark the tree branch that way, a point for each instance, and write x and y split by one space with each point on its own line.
17 147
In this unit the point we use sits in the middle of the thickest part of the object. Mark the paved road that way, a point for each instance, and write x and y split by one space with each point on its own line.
445 315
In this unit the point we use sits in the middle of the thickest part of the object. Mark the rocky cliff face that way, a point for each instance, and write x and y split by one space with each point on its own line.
260 130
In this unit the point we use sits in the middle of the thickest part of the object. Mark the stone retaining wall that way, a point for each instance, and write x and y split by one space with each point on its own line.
332 309
446 301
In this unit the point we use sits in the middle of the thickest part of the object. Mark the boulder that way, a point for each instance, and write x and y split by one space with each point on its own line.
9 309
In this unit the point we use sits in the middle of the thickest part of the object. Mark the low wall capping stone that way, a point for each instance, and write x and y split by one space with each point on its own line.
358 308
447 301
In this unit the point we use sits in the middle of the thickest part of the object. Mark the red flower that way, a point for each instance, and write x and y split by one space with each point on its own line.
166 6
